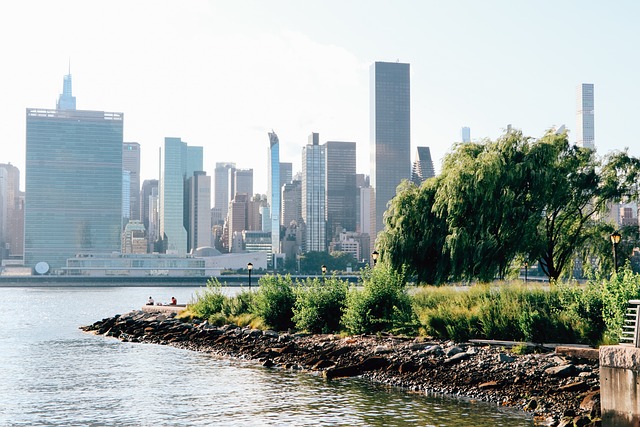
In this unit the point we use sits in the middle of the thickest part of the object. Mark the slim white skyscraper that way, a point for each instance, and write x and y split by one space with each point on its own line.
273 193
314 194
465 134
585 133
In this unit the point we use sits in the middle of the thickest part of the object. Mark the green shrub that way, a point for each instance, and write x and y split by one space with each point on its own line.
616 293
237 305
209 301
274 300
381 305
318 307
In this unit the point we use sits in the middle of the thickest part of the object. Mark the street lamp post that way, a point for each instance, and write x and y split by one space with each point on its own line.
615 240
249 267
324 271
526 269
375 255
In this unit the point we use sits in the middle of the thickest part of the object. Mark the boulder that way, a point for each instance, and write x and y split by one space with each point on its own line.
452 351
456 358
562 371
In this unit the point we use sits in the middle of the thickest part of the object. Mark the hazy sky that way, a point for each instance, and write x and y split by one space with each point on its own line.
221 74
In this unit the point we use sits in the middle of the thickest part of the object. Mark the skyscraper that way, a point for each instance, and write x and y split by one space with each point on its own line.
131 163
240 182
66 100
314 194
422 166
199 230
221 186
585 132
465 134
149 208
273 192
286 173
11 232
340 187
73 183
390 132
180 161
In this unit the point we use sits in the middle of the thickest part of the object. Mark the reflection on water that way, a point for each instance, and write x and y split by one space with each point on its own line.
60 376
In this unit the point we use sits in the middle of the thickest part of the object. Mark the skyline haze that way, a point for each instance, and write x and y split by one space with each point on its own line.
221 75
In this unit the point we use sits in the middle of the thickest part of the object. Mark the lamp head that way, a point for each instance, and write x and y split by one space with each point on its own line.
375 255
324 269
249 266
615 237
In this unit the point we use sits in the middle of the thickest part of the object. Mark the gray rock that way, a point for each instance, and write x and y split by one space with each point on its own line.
436 350
382 350
452 351
456 358
562 371
505 358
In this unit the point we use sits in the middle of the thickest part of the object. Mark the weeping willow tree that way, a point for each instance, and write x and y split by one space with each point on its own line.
498 201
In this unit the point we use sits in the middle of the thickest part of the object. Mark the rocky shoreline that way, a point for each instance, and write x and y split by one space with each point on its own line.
559 389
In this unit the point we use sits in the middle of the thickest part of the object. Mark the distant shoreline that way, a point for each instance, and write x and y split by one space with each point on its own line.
124 281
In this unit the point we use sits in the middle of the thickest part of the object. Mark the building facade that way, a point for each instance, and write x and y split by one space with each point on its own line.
340 188
585 129
131 163
11 212
390 132
73 184
422 166
465 134
314 194
221 196
199 230
179 162
273 190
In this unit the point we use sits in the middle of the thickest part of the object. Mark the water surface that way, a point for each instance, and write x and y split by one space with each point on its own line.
53 374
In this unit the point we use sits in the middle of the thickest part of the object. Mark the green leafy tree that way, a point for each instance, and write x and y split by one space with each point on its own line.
415 233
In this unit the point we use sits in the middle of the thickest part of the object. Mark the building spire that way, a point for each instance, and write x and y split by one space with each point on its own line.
66 101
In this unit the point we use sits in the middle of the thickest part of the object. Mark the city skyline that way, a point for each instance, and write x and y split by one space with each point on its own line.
268 66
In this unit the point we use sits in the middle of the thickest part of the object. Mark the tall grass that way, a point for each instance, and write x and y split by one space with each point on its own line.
590 313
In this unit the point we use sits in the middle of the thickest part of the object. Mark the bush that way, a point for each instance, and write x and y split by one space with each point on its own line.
237 305
274 300
208 301
381 305
616 293
318 307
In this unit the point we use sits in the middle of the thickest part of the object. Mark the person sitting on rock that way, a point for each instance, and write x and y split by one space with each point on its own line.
174 301
150 302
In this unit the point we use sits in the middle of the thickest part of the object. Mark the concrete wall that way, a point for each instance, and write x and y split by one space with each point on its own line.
620 386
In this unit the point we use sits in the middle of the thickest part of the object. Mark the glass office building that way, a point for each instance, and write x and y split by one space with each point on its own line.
390 132
314 194
340 187
179 162
73 184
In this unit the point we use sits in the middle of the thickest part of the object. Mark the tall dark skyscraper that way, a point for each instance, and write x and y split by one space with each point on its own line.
422 166
73 183
390 132
149 208
340 187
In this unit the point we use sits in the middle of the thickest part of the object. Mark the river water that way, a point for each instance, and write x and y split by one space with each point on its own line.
53 374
